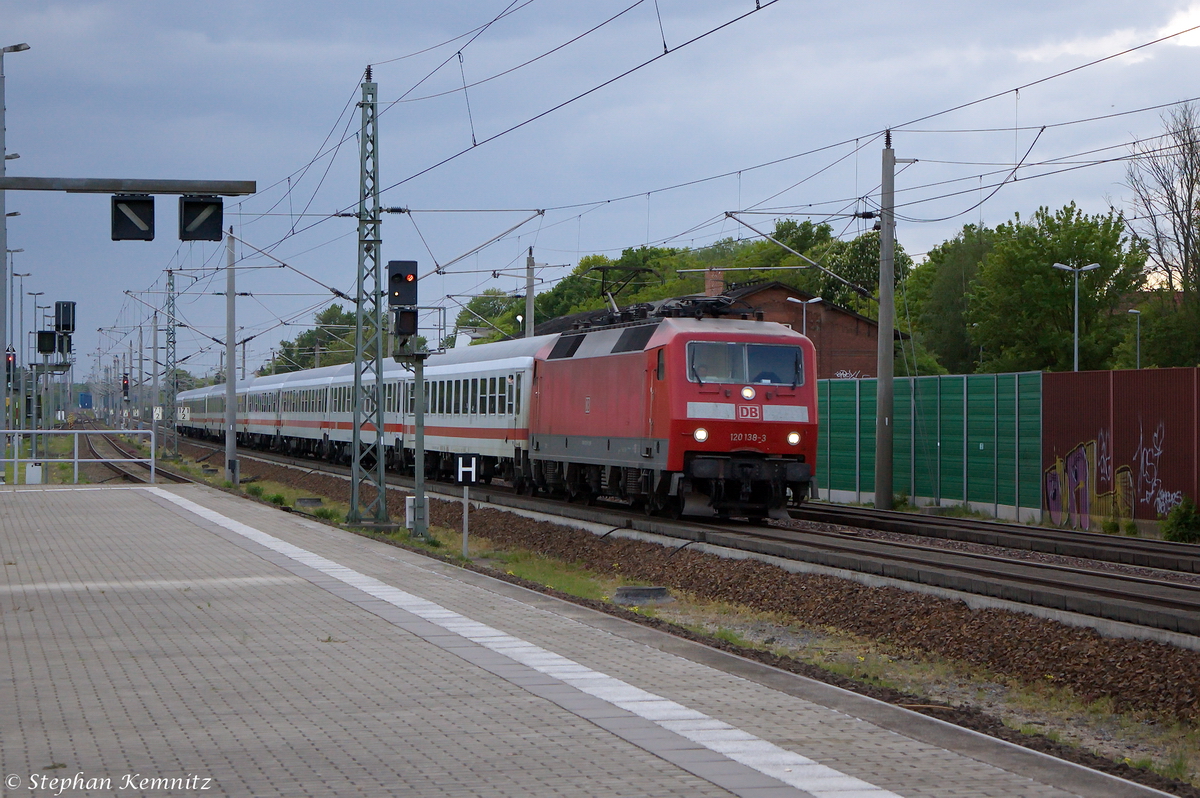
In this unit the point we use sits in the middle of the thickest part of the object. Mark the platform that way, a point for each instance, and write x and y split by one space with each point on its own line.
182 641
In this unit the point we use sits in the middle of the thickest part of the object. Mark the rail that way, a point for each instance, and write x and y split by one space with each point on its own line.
14 444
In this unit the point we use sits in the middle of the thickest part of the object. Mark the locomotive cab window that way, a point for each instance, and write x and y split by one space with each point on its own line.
766 364
712 361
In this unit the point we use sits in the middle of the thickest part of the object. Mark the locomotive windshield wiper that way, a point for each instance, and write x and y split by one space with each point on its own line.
796 372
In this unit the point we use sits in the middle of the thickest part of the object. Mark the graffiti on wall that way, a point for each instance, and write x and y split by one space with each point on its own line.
1073 486
1149 484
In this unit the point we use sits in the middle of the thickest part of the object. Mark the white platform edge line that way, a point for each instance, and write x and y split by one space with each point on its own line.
760 755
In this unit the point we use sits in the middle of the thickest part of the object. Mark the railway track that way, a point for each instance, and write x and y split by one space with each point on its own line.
1063 542
106 448
1156 598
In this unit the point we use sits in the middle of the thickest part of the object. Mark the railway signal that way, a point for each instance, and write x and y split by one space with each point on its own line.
64 317
402 283
132 217
10 364
125 387
200 218
47 342
466 473
402 298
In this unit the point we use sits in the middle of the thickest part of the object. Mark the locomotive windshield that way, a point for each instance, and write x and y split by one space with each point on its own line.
769 364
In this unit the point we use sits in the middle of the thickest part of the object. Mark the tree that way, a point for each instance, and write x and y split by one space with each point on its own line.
1021 310
1164 176
333 334
936 293
494 311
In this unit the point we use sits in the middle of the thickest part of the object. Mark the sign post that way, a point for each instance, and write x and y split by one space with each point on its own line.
466 471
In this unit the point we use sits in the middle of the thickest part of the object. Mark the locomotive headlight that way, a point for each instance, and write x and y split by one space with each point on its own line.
701 434
747 393
793 438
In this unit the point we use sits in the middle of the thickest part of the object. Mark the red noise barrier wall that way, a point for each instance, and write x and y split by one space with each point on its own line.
1119 444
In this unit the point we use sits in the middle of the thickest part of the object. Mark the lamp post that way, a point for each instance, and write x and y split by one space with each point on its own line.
10 415
1138 314
1075 271
4 158
804 303
28 360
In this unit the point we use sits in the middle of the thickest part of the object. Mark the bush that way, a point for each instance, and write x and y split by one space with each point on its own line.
277 498
328 513
1110 527
1131 528
255 490
1182 524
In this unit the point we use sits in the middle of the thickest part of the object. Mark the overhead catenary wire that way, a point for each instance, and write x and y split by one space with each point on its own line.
1024 167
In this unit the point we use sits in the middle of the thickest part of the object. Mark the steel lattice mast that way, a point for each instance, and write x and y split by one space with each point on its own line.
367 452
172 380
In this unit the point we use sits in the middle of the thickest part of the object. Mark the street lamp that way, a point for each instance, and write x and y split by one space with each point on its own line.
4 158
1138 314
1076 272
9 417
804 303
35 295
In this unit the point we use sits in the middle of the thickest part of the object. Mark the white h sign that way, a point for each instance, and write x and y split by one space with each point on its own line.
466 469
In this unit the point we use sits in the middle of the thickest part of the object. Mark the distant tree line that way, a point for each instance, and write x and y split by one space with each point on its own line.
987 300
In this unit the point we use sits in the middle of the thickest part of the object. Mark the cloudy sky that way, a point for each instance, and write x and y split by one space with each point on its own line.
777 110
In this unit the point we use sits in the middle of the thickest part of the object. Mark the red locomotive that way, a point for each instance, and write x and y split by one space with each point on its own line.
685 415
685 412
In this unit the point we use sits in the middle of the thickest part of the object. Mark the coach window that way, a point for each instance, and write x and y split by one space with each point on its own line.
474 396
457 396
491 395
511 398
518 403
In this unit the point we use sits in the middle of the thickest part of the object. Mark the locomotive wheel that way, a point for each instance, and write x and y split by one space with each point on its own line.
674 508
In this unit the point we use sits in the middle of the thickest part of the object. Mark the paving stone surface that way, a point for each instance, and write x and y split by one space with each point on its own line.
185 634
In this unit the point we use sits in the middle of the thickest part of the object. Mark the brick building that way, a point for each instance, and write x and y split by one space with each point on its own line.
845 340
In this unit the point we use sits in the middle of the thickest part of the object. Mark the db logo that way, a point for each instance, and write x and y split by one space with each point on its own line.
749 412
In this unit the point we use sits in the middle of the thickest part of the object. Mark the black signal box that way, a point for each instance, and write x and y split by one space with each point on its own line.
402 283
132 217
64 317
406 324
200 218
47 342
